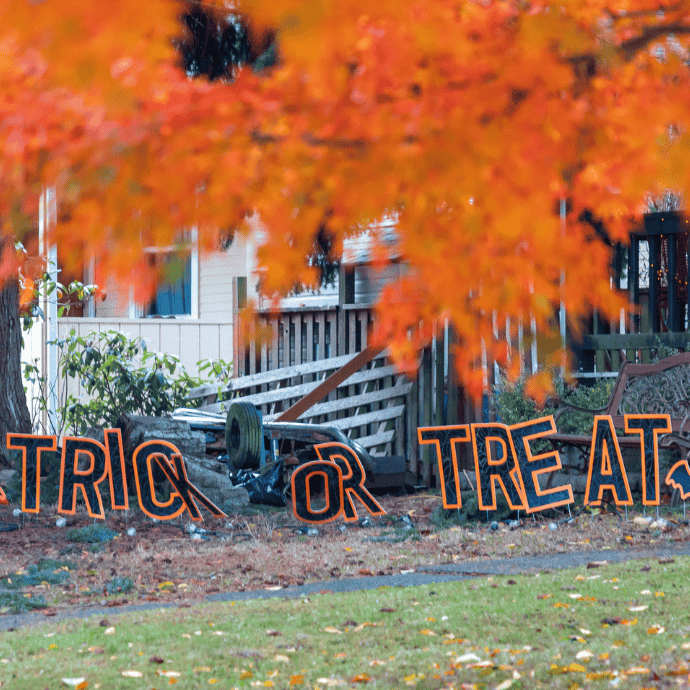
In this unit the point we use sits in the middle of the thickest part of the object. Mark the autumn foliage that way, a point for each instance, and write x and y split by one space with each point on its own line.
470 122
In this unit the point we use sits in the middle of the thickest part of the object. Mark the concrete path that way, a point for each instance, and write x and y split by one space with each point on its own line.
421 576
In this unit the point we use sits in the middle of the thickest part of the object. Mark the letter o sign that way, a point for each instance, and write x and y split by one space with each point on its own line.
301 481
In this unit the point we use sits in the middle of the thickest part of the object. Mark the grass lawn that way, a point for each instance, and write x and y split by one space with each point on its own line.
622 626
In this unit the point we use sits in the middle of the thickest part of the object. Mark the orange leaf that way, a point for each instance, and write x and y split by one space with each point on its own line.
361 678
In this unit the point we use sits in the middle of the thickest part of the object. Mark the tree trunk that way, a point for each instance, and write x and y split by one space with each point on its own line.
14 414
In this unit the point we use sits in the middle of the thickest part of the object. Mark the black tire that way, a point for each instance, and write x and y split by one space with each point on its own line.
243 436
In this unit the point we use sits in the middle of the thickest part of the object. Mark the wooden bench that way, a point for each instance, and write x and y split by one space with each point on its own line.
368 405
660 388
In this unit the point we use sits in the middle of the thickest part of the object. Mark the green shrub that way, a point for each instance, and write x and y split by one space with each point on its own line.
512 406
120 376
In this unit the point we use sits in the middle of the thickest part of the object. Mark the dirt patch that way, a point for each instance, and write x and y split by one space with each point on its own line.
270 549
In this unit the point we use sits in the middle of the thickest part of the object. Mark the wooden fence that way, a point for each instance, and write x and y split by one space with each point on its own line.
434 398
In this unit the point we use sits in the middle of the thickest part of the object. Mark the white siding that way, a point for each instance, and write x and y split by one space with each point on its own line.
188 340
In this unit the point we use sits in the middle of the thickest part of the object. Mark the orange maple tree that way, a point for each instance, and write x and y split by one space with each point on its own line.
469 122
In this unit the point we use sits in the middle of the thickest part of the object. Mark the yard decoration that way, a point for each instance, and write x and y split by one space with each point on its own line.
530 466
31 447
649 427
679 478
107 461
302 491
185 496
344 478
73 478
515 470
445 440
490 471
606 468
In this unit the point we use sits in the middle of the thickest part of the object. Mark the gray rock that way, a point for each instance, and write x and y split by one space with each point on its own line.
6 477
217 487
138 429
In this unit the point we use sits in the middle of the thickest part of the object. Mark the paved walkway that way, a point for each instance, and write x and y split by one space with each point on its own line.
421 576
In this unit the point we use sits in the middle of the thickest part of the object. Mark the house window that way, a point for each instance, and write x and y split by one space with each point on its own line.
177 293
173 295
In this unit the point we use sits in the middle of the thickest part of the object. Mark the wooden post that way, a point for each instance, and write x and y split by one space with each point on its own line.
239 302
439 382
346 295
426 404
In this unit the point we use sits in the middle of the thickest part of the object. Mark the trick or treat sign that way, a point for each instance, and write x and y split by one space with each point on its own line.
89 468
332 486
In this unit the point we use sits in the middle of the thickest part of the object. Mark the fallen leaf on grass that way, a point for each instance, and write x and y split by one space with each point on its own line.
361 626
544 596
666 561
75 682
601 675
296 679
169 674
156 660
331 629
596 564
386 610
584 654
637 608
571 668
655 629
677 672
361 678
273 633
132 674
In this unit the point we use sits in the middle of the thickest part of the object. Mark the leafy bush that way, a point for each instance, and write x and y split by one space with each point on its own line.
512 406
120 376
